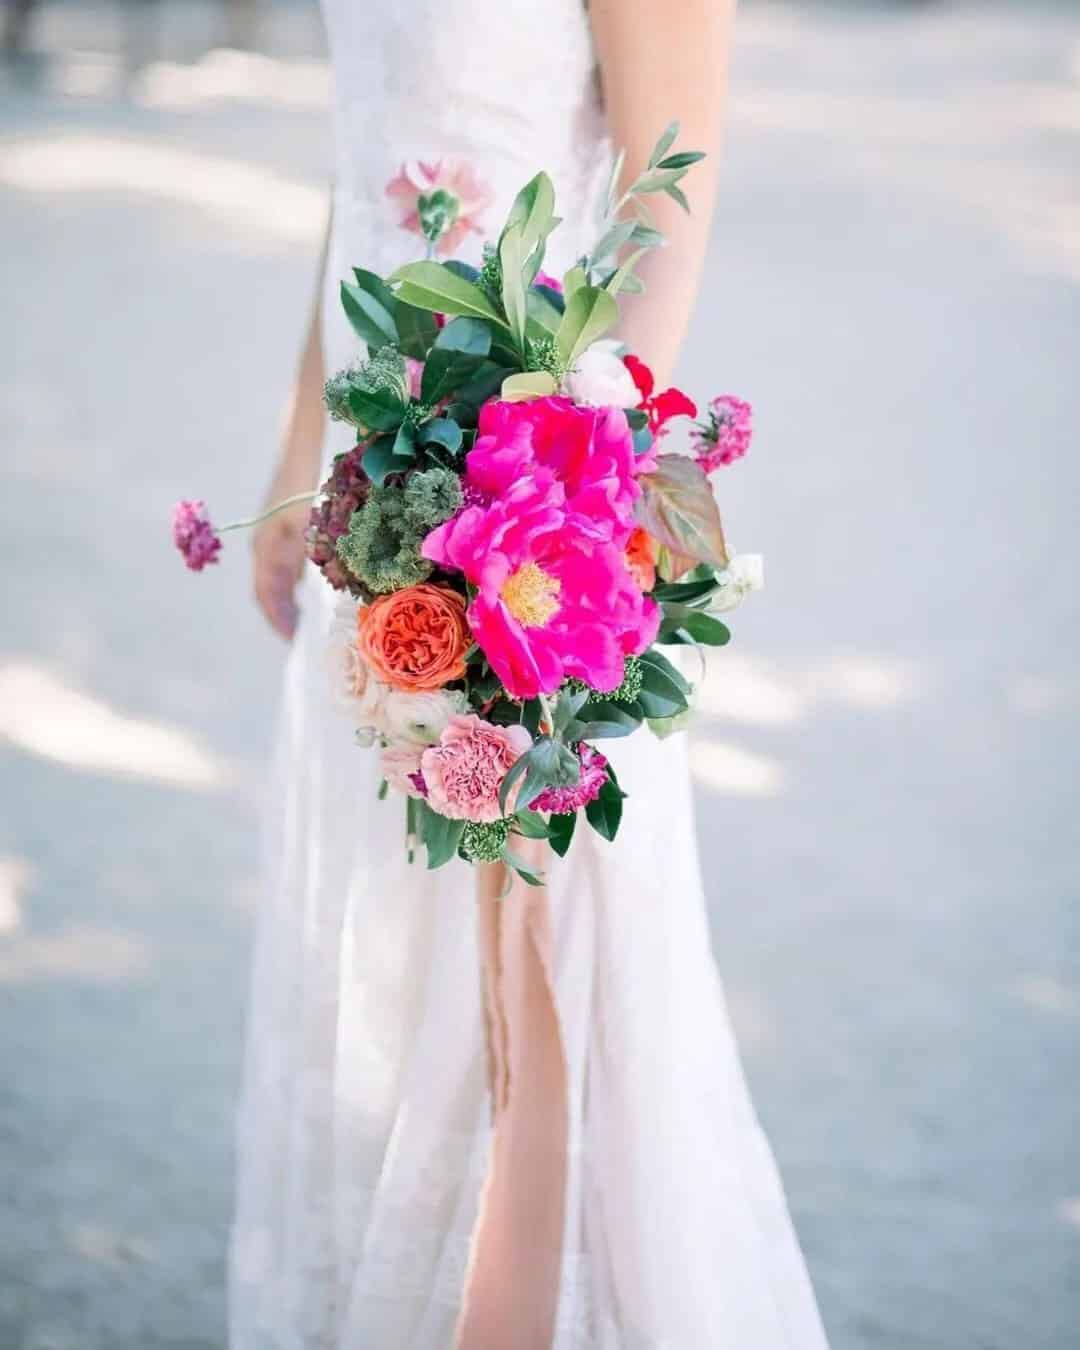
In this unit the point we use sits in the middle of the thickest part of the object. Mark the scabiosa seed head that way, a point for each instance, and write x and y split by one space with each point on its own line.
432 496
194 535
381 547
484 840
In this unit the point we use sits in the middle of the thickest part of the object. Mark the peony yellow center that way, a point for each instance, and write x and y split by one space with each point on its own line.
531 595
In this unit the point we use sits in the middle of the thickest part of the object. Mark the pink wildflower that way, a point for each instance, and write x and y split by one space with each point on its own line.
726 436
194 535
442 201
562 800
465 770
546 279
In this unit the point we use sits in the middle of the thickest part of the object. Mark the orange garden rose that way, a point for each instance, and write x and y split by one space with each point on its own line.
641 558
415 638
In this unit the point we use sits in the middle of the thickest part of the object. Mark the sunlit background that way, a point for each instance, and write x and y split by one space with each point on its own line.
886 756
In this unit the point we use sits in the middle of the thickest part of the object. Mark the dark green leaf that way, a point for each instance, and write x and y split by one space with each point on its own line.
601 719
379 460
705 629
434 286
416 329
512 258
405 444
656 659
379 410
462 269
522 868
530 824
439 834
440 431
682 160
683 592
551 297
484 384
561 831
604 812
589 314
567 708
544 316
470 336
637 418
662 691
372 320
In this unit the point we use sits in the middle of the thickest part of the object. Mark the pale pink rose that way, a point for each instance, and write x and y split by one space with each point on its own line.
401 768
465 770
441 201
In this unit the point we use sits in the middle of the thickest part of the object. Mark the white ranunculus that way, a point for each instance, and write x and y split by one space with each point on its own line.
419 718
743 574
601 380
355 691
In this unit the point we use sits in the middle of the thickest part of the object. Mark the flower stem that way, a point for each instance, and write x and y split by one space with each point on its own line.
271 511
546 715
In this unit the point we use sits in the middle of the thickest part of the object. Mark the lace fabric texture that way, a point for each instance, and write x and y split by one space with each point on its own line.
363 1128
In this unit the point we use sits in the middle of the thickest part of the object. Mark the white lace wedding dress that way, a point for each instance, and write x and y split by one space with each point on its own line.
364 1124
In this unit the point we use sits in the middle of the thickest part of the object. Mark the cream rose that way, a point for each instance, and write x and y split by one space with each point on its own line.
601 380
743 574
418 719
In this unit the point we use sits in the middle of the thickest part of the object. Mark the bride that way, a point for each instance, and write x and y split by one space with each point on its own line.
364 1133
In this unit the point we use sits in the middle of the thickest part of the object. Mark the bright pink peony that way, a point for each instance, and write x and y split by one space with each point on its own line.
194 535
726 436
442 201
562 800
464 772
590 451
555 596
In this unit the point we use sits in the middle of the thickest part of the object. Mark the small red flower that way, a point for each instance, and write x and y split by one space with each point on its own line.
660 408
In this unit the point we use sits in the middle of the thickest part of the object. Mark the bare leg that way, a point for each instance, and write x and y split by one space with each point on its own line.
512 1289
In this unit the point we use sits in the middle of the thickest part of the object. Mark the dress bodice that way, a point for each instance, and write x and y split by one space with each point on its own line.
509 88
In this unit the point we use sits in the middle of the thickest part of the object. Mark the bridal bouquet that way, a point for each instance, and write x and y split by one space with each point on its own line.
512 542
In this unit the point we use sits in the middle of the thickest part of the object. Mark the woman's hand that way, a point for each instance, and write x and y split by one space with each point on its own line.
278 550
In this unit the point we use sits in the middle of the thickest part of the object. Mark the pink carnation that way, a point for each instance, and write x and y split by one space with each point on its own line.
453 187
194 535
562 800
590 451
465 770
555 597
725 437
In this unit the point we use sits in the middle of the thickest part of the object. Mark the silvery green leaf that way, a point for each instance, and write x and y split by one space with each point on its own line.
664 144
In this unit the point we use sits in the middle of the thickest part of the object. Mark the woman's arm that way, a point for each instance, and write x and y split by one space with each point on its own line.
664 59
278 543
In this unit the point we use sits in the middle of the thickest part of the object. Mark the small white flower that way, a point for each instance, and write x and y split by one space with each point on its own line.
419 718
601 380
743 574
355 691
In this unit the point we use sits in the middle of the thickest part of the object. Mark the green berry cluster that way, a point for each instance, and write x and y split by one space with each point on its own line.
626 692
381 547
542 353
483 841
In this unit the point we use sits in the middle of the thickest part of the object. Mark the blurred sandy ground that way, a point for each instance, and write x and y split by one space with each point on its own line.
887 756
